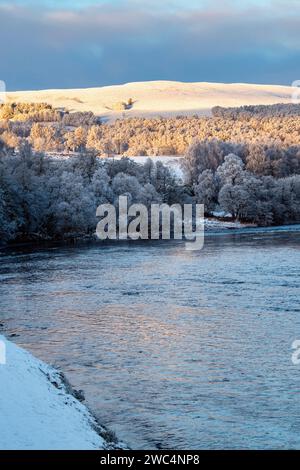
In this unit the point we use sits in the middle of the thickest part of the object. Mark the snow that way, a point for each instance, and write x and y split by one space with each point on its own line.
215 224
158 98
36 414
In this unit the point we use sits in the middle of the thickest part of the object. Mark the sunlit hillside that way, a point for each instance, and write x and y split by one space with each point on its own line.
164 98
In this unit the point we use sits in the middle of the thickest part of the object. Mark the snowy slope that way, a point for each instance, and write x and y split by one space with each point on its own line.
36 414
164 98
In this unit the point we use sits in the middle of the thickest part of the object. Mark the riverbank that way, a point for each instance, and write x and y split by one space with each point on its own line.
210 224
38 409
213 227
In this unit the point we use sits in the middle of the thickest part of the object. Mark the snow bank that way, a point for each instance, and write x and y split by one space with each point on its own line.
36 412
212 224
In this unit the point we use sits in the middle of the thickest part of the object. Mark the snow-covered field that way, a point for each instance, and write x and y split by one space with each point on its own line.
158 98
36 412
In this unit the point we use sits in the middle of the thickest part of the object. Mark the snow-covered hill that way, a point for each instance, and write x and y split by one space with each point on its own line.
158 98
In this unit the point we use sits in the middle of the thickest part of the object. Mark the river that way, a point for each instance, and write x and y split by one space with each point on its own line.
173 348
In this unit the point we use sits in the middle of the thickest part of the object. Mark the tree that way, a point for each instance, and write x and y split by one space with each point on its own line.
206 190
234 199
207 155
232 170
125 185
76 140
72 207
44 138
10 139
101 187
94 136
107 148
257 160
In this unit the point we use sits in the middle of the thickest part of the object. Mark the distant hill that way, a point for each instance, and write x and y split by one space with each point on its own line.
157 98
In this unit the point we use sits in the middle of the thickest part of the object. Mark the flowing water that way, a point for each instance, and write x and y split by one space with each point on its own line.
173 349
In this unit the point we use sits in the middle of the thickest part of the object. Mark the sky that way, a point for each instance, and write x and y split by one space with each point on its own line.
84 43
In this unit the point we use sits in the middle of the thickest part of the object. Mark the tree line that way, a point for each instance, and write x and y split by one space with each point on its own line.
244 165
218 176
272 130
44 199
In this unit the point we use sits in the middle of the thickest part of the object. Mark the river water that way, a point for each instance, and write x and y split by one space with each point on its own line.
174 349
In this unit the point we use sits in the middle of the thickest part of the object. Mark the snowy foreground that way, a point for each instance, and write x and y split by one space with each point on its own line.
37 412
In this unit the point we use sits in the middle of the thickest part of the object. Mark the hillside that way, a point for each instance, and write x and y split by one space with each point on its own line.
163 98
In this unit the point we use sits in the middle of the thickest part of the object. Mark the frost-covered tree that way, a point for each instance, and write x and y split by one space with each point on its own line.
45 137
126 185
206 190
101 187
94 137
8 224
149 195
75 140
231 171
207 155
72 207
234 199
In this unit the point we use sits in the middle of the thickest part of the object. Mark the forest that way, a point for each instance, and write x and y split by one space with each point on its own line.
244 162
274 127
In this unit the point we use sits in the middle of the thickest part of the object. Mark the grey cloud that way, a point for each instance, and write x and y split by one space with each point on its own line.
98 46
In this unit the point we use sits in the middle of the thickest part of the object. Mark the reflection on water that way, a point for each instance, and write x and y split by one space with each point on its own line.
174 349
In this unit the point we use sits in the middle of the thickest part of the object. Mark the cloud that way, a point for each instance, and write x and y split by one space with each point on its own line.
108 44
